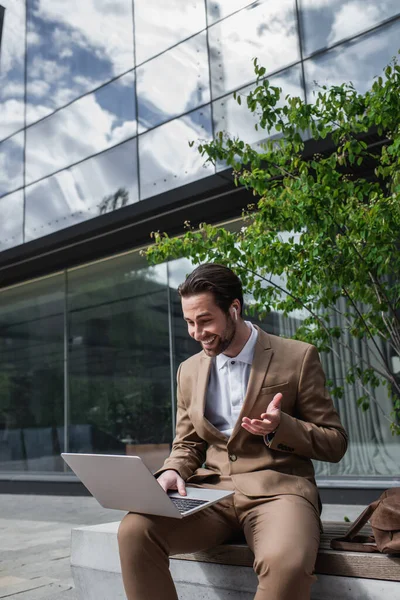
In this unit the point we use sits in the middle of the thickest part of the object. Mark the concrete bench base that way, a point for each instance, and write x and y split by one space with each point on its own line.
97 575
206 581
91 584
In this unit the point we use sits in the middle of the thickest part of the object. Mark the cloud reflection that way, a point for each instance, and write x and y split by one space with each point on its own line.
88 126
187 65
11 163
267 30
358 61
219 9
166 160
80 193
12 68
160 25
11 220
72 50
325 23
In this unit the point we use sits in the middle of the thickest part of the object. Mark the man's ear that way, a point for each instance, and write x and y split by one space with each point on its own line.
235 311
237 307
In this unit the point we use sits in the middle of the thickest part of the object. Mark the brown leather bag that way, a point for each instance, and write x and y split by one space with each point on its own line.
384 516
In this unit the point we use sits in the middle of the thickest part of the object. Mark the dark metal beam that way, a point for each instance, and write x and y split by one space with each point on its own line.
212 199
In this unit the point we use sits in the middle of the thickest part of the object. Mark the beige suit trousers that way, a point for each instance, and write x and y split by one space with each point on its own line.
282 531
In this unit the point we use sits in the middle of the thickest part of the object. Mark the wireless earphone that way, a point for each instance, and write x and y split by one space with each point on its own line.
235 311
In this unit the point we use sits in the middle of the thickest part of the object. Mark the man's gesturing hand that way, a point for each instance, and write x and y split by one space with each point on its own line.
171 480
268 421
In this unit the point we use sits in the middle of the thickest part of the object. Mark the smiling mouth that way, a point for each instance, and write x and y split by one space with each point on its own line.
209 341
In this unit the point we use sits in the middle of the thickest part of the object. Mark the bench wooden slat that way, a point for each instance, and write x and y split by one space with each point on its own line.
357 564
329 562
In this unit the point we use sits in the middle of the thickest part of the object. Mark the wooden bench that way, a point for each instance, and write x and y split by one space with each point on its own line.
226 573
329 562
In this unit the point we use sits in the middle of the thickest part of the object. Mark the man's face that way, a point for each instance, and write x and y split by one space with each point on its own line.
208 324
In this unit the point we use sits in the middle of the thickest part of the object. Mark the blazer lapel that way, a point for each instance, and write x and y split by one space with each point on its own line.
201 396
261 360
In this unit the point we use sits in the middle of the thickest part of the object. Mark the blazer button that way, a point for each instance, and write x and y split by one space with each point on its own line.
232 457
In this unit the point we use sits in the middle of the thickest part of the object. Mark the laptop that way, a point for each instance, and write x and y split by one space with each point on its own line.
125 483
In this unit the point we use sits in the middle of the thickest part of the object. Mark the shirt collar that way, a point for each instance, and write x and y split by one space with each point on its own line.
245 355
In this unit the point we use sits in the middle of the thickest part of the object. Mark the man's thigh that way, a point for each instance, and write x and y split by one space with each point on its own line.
202 530
282 528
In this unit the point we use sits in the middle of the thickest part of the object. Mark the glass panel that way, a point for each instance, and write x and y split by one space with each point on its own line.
12 67
325 23
161 169
219 9
73 48
358 61
187 66
11 163
160 25
86 127
237 120
373 451
11 220
119 364
32 376
266 30
184 346
101 184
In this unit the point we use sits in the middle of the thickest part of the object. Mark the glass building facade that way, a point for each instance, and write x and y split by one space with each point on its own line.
98 104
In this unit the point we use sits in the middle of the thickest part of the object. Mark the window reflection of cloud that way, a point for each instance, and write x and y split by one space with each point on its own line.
237 120
76 48
33 38
178 270
358 61
160 168
219 9
78 193
11 163
88 126
12 68
102 26
359 13
326 22
11 219
187 66
160 25
267 31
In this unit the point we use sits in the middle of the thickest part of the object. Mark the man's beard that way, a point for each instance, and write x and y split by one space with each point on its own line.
224 340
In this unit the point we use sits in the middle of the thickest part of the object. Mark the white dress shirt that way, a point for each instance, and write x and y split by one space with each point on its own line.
227 385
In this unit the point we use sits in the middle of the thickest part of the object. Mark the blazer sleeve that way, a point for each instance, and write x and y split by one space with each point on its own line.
316 431
188 449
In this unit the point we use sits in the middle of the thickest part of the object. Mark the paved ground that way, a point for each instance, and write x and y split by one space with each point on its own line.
35 542
35 534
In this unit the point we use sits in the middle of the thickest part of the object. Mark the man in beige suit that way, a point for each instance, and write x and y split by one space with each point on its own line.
253 411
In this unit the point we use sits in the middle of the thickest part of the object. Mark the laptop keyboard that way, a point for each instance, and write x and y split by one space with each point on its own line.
185 504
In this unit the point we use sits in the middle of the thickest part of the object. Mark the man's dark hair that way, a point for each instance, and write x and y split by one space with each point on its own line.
220 281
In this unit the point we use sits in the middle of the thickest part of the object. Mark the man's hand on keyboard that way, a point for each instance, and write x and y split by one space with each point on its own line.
171 480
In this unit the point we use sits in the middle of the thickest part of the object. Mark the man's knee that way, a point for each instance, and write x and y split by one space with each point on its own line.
288 563
133 531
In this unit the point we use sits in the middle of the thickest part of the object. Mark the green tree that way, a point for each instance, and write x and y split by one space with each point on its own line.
323 233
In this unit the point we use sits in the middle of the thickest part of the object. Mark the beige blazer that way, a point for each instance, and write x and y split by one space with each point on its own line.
310 427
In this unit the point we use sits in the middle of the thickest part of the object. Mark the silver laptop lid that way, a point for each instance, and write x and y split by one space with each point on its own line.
125 483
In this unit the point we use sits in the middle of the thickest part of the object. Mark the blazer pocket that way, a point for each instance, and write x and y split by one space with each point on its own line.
274 389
